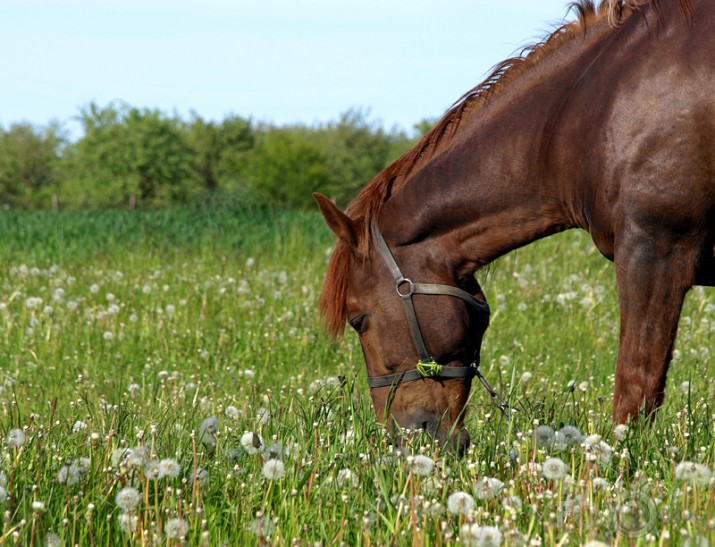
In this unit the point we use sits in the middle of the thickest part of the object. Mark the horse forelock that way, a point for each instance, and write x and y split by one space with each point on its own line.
368 203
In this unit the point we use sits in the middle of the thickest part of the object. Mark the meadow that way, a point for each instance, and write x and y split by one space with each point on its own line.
165 379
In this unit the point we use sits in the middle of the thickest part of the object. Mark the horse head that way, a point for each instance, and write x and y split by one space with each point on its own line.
419 322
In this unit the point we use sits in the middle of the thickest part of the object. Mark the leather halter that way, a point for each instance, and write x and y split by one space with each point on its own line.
426 366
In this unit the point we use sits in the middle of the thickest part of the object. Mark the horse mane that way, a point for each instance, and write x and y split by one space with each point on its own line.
369 201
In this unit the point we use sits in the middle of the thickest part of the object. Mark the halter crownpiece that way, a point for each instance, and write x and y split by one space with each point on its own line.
426 366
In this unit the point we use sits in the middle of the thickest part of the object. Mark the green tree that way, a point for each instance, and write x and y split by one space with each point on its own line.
30 166
357 149
286 166
220 150
129 156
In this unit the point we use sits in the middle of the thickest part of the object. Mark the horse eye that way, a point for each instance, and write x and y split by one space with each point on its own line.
359 323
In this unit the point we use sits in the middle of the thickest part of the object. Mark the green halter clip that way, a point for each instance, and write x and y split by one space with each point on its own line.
429 369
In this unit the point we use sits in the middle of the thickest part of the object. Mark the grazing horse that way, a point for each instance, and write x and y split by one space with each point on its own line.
608 125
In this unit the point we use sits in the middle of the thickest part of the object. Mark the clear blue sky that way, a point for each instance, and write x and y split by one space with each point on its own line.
277 61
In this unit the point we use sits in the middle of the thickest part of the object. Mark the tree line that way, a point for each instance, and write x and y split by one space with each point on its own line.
138 157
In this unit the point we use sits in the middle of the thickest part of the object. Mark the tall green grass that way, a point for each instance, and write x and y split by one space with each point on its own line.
192 334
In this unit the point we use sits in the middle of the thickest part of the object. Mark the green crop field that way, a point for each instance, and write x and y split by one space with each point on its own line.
165 379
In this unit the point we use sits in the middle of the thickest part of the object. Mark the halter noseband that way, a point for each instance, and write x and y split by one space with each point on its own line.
426 366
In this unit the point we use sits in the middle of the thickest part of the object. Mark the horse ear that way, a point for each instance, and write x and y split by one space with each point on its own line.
337 221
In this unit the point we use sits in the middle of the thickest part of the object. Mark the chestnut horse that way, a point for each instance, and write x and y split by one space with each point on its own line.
608 125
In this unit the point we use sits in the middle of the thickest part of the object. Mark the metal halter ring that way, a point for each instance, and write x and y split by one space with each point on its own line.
404 281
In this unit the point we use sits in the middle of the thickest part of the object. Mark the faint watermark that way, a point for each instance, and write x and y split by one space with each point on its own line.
635 514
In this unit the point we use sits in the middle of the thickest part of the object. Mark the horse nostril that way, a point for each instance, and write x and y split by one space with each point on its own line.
425 426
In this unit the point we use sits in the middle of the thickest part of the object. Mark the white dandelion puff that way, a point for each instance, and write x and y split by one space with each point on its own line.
128 499
480 536
544 435
692 472
200 476
52 540
15 437
513 502
119 456
620 432
567 436
263 416
346 477
600 484
232 412
460 503
273 469
33 302
138 456
488 488
169 467
421 465
3 494
128 523
152 470
252 442
177 528
554 469
207 431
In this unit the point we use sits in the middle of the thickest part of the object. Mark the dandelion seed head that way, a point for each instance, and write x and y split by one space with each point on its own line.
33 302
488 488
200 476
554 469
346 477
421 465
177 528
252 442
138 456
15 437
273 451
152 470
261 527
128 499
544 435
263 416
514 502
52 540
128 523
232 412
567 436
169 467
273 469
692 472
620 432
207 431
480 536
460 503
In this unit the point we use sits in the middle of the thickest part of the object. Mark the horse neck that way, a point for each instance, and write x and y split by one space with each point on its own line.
491 189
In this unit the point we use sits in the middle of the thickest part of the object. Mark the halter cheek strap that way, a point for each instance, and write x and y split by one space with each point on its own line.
426 366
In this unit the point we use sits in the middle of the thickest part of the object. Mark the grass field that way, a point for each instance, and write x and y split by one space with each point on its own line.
165 379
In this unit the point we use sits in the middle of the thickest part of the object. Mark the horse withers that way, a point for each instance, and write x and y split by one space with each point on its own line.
608 125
